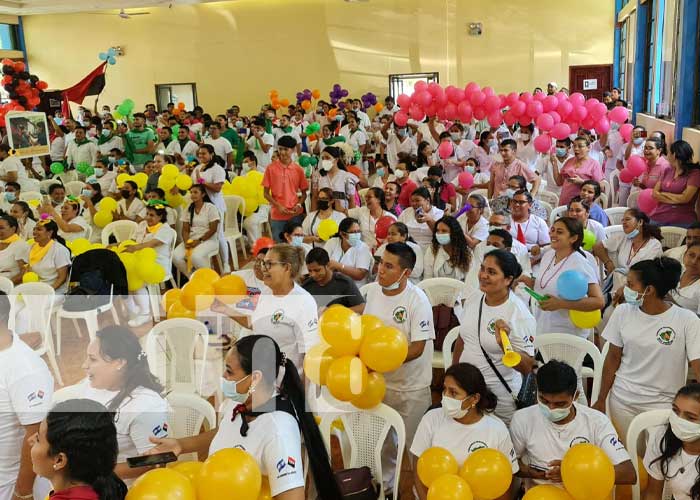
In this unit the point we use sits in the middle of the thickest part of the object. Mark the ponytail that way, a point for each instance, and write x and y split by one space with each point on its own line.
109 487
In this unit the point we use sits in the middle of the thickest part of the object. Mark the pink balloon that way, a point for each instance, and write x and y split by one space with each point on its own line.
636 165
602 126
495 118
598 111
543 142
534 109
618 114
464 110
588 123
591 103
549 103
432 109
434 89
477 98
479 113
626 132
518 108
555 116
420 86
450 111
564 109
502 101
560 131
524 120
488 91
456 96
539 96
561 96
441 114
510 118
440 99
526 97
472 87
416 113
646 201
512 98
445 149
401 118
577 99
403 101
626 176
422 98
492 103
573 125
544 122
465 179
579 113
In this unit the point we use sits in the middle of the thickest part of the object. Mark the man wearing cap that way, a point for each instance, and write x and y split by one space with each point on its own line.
552 88
285 187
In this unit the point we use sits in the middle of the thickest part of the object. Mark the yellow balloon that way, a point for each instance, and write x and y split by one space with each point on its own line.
190 470
129 261
33 203
170 297
150 272
488 472
134 282
122 178
97 246
450 487
227 188
254 177
230 288
162 484
102 218
373 395
169 170
147 254
583 462
346 378
232 473
197 295
434 463
79 246
327 228
251 205
265 493
369 322
166 183
341 328
546 492
30 277
124 244
205 275
141 179
183 182
316 363
384 349
174 200
177 310
585 319
108 204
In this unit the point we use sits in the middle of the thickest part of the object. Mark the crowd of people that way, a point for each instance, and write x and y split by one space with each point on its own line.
495 237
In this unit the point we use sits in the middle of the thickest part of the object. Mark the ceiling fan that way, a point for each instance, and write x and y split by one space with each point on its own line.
123 14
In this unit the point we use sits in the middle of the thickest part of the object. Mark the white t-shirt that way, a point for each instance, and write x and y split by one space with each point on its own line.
688 297
420 231
78 221
15 252
273 440
190 149
342 183
165 235
13 164
141 415
199 224
292 320
311 222
368 223
409 311
359 257
264 159
544 167
622 247
47 268
26 228
537 441
134 209
681 473
655 353
114 143
212 175
417 273
479 231
26 390
439 266
534 229
546 278
221 146
355 139
527 154
437 429
394 146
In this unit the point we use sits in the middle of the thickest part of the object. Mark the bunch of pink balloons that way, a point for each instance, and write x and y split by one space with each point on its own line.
556 116
636 166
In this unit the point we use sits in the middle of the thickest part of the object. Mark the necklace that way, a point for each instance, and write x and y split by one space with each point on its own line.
557 270
633 253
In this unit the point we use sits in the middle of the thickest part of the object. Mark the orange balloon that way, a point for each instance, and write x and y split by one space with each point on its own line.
275 105
177 310
332 113
197 295
170 297
230 288
205 274
373 395
347 378
341 328
378 107
284 102
315 93
306 105
384 349
275 102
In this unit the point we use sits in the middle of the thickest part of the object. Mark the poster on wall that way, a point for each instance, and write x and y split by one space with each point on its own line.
28 133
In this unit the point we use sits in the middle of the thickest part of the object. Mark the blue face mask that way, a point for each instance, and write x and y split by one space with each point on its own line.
354 239
493 143
87 193
10 196
443 238
556 415
633 234
230 391
381 172
633 298
401 132
106 132
297 241
638 140
561 151
99 172
239 124
471 170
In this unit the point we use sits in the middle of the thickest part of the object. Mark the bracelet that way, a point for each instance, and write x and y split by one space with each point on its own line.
23 497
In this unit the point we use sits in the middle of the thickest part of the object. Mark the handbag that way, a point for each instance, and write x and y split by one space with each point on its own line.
528 391
356 484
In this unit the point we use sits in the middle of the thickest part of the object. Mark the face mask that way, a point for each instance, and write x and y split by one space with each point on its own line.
443 238
125 194
401 132
239 124
456 136
106 132
87 193
453 407
399 174
354 239
510 192
614 126
323 204
685 430
633 234
471 170
99 172
638 140
297 240
493 143
111 159
319 111
340 118
556 415
229 390
524 137
633 298
326 165
394 286
381 172
561 151
10 196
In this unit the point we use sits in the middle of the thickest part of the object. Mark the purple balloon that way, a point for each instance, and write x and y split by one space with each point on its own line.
336 86
345 93
341 105
334 100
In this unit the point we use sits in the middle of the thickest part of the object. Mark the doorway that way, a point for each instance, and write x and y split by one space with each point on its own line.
176 92
591 80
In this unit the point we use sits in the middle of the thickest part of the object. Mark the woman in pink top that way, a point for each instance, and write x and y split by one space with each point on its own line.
677 189
576 171
656 164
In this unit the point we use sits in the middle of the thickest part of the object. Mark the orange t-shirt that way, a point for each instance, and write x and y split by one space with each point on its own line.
284 181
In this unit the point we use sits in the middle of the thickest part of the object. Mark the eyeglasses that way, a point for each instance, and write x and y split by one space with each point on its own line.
267 264
519 202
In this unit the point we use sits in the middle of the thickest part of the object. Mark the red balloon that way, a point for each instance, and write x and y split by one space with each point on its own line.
381 228
564 109
588 123
512 98
471 88
441 98
646 201
618 114
544 122
423 98
493 103
416 113
549 103
577 99
626 131
19 66
543 143
432 110
434 89
555 116
464 110
403 101
510 118
466 180
524 121
560 131
441 114
457 96
495 118
526 97
480 113
401 118
636 165
518 109
477 98
420 86
445 149
534 109
488 91
626 176
450 111
602 126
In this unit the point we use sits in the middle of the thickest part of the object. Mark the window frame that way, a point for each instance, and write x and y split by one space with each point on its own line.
398 82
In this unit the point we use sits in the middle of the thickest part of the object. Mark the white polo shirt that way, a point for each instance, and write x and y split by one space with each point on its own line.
359 257
264 159
535 230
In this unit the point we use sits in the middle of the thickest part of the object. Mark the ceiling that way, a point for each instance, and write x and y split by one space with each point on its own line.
29 7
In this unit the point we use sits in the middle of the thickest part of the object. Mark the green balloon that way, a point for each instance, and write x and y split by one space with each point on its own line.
82 167
314 161
304 161
89 171
316 127
588 239
57 167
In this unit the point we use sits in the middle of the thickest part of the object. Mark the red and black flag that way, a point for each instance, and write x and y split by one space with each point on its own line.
92 84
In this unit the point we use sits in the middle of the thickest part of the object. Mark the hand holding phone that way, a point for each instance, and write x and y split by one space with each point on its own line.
151 460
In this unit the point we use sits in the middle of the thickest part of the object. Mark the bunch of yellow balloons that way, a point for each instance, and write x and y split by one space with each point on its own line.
355 351
486 474
82 245
104 214
199 293
228 473
141 179
141 267
249 187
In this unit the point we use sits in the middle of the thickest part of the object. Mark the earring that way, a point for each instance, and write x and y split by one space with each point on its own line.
55 466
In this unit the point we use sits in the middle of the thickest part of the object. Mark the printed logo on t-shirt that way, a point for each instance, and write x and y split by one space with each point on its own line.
476 445
665 335
616 443
277 317
400 314
578 440
286 467
491 327
159 430
35 398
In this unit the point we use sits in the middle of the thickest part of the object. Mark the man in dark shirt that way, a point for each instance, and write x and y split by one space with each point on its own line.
330 288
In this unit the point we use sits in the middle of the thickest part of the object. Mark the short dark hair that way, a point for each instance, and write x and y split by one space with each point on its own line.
595 184
502 233
522 182
54 187
13 184
510 142
406 255
140 115
319 256
556 377
470 379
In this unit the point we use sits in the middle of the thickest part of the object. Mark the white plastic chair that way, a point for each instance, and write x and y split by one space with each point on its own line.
572 350
69 392
40 297
632 199
187 414
560 211
46 184
548 197
367 430
154 294
90 317
547 207
362 192
611 230
442 291
595 390
122 230
232 231
27 184
74 188
448 346
170 346
6 285
641 423
615 214
605 198
30 195
614 181
673 236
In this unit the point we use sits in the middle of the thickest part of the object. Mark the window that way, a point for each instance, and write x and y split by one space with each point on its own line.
623 57
403 84
697 80
176 93
9 38
671 60
650 77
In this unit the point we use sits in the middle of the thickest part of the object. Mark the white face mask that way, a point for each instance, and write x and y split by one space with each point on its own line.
556 415
453 407
685 430
525 137
395 285
326 165
399 174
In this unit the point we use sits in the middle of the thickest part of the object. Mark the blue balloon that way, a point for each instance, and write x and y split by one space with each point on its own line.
103 56
572 285
112 61
111 52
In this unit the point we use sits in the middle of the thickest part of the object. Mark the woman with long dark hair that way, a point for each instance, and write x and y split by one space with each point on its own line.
25 217
448 255
677 188
348 253
76 450
266 418
48 256
398 233
334 175
368 215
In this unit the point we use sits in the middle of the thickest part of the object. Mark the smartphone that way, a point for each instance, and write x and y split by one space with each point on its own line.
419 212
538 468
643 133
150 460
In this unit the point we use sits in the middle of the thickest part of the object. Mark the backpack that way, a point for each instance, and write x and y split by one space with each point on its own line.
92 292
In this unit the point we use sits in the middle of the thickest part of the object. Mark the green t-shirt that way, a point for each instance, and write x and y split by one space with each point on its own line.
236 143
139 140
